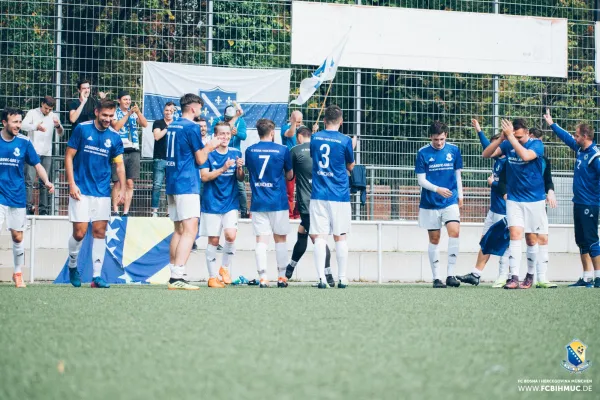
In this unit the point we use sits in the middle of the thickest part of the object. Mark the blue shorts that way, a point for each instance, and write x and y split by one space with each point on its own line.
586 227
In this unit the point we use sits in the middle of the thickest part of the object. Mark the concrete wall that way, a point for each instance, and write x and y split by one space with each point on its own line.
403 245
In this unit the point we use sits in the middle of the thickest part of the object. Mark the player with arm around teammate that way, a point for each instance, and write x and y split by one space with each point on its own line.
220 174
438 167
269 166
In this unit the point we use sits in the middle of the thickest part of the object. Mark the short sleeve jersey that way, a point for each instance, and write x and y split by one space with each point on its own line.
92 163
220 195
524 179
439 167
183 140
14 154
330 152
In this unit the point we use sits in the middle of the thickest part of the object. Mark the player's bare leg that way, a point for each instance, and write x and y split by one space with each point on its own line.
128 196
18 257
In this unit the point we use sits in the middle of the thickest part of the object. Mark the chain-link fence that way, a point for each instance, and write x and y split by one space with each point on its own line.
46 46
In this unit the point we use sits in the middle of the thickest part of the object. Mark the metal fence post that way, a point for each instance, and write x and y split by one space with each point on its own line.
32 250
372 190
379 253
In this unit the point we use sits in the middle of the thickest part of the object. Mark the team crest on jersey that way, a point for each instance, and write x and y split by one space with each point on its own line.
215 101
576 361
107 143
17 152
449 157
585 157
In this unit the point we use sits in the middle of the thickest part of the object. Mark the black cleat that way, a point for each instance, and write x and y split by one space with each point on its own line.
322 285
330 280
438 284
289 271
470 278
253 282
452 281
597 283
282 282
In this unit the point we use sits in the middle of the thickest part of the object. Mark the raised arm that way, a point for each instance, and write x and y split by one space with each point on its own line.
560 132
482 138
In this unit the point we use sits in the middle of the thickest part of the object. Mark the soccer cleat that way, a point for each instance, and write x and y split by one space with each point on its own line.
452 281
282 282
264 283
114 214
469 278
582 283
243 280
99 283
499 282
215 283
330 280
253 282
527 282
546 285
74 277
322 285
225 277
289 271
18 280
512 283
180 284
342 283
597 282
438 284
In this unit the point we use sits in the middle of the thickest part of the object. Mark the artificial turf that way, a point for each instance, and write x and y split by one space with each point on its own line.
368 341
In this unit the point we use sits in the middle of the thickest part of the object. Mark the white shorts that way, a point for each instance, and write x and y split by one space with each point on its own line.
490 220
433 220
89 209
531 216
16 218
183 206
213 224
271 222
330 217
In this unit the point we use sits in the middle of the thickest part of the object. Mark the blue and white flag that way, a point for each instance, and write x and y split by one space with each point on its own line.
326 72
261 93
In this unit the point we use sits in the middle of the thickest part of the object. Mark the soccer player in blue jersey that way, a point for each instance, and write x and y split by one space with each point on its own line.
185 152
90 151
330 212
497 211
438 167
220 174
586 197
15 151
269 166
526 197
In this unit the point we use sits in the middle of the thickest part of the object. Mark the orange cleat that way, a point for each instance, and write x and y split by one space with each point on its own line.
225 277
215 283
264 283
282 282
18 279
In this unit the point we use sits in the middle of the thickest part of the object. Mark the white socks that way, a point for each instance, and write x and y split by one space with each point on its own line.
98 250
341 254
588 275
261 260
476 272
503 265
211 260
542 263
74 247
532 253
597 273
177 271
434 260
281 255
514 260
228 253
453 247
18 256
320 253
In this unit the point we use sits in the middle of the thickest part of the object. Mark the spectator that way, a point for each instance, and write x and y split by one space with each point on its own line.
126 123
40 124
203 130
82 109
288 138
159 129
233 115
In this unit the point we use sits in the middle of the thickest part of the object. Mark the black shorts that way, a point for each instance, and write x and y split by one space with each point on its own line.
132 163
586 226
305 222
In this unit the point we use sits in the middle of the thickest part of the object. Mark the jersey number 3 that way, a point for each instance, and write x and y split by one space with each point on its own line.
324 163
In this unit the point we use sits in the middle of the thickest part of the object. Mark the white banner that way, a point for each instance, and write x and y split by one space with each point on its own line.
262 93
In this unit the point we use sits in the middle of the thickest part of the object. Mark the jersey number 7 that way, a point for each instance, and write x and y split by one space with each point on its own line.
264 166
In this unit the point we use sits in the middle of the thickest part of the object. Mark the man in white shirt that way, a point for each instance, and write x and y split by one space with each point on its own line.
40 124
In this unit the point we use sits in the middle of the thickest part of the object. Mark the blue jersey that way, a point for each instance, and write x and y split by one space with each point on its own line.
183 141
498 190
288 141
13 156
220 195
95 151
330 152
524 179
129 131
439 167
586 179
266 163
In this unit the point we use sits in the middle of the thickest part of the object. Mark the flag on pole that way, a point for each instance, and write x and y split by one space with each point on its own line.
326 72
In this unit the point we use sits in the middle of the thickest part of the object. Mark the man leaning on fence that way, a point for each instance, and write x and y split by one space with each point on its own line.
159 130
82 108
40 124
